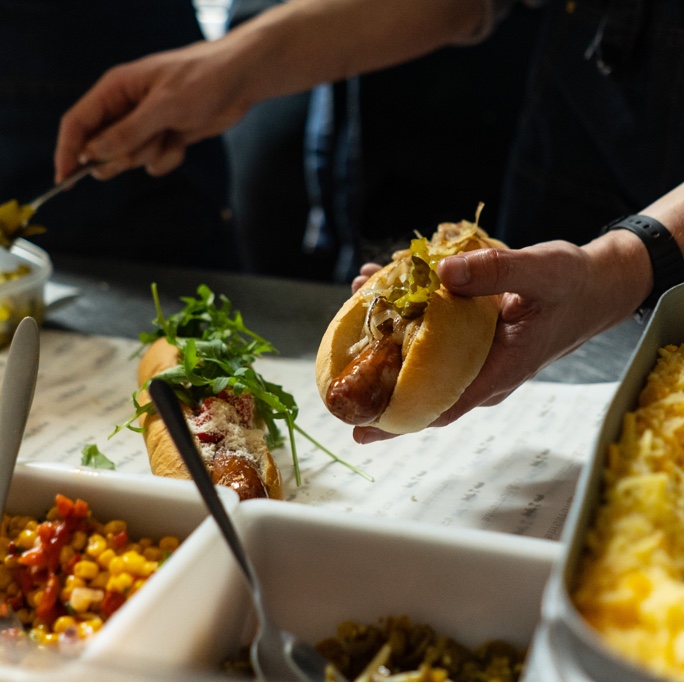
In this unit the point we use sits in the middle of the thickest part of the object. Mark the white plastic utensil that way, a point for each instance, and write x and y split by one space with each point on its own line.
276 655
18 387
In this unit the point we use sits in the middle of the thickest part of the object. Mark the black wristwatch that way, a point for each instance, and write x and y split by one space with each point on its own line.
666 256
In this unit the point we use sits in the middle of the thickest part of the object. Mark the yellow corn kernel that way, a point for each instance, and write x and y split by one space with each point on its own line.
79 540
51 639
37 634
149 568
25 539
114 527
145 542
153 553
96 545
73 582
4 544
62 623
138 584
100 582
96 623
133 562
12 562
121 582
134 547
19 522
52 514
116 565
84 631
86 569
66 553
105 558
13 589
34 597
5 577
169 543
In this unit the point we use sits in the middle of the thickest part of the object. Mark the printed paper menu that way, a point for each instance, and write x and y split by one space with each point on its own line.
510 468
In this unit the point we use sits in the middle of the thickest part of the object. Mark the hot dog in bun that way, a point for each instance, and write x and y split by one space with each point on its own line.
402 349
226 428
206 354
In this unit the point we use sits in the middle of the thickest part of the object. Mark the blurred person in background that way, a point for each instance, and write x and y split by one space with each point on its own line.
347 172
52 53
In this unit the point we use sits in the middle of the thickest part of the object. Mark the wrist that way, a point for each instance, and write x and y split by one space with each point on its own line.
665 255
621 267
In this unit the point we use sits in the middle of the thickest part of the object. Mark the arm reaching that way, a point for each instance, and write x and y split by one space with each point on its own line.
145 113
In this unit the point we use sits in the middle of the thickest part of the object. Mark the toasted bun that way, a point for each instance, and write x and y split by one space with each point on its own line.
444 357
164 457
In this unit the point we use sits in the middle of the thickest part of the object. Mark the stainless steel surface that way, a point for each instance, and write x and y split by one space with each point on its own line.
18 387
276 655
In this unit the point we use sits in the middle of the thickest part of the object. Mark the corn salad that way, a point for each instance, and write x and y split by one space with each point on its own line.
66 575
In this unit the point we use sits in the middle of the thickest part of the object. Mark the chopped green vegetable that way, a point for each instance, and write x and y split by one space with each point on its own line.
92 457
217 351
411 298
15 222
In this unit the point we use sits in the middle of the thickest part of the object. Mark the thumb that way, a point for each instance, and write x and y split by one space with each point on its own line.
492 271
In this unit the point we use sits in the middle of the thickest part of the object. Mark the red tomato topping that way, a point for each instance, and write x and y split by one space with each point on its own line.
113 600
46 608
120 539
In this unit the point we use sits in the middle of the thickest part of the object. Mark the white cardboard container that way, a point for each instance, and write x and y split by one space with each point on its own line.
152 506
319 568
565 646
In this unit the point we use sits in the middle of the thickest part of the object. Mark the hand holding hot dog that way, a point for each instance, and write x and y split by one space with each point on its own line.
402 349
553 297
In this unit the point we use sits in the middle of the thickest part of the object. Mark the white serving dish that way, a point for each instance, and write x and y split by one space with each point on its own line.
566 647
23 296
319 568
152 506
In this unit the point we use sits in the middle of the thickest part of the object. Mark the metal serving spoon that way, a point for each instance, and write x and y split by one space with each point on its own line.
276 655
18 387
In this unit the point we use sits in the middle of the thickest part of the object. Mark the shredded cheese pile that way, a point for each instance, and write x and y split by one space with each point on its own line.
631 583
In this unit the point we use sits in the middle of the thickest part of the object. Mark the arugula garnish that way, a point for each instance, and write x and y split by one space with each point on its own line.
92 457
216 352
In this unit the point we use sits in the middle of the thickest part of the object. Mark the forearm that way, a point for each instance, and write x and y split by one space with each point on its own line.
301 43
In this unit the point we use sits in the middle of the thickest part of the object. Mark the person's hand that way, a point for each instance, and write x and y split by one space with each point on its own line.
554 296
146 112
365 272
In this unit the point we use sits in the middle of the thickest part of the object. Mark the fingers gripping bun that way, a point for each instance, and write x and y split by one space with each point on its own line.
245 465
442 350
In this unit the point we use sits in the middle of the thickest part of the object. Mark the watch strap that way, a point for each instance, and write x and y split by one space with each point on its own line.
663 250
